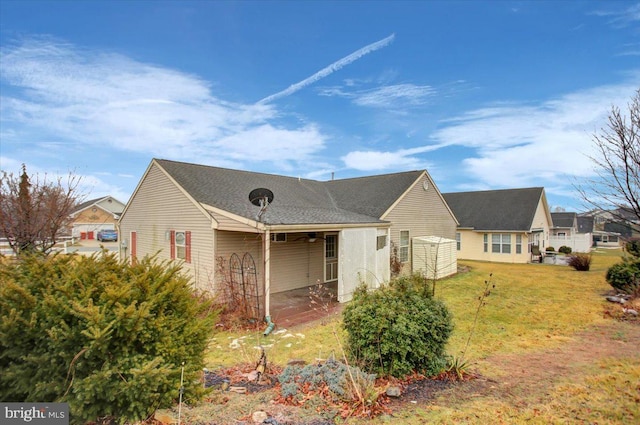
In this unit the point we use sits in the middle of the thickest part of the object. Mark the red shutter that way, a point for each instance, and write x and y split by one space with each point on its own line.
134 247
187 246
172 238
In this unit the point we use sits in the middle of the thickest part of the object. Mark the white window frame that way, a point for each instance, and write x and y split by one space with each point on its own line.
458 241
181 248
403 249
501 243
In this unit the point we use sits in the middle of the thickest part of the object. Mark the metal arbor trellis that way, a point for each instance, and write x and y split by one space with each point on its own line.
244 283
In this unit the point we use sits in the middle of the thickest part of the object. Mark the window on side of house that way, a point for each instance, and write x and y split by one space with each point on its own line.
181 245
501 243
278 237
518 244
458 240
486 242
381 242
404 246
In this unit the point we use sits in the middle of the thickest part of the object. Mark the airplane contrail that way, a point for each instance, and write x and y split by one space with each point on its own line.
330 69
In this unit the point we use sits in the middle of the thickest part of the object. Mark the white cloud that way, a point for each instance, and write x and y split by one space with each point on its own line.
111 101
328 70
395 95
535 145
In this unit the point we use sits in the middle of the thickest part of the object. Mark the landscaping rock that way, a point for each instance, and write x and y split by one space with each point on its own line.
616 299
394 391
259 417
630 311
296 362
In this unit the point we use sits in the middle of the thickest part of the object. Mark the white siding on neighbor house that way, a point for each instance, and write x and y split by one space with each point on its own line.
434 257
158 207
423 213
359 261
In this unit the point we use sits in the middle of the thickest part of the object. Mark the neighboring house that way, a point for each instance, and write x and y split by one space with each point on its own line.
501 225
565 232
94 215
610 228
311 232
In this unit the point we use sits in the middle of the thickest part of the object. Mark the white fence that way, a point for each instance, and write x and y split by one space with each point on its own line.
578 243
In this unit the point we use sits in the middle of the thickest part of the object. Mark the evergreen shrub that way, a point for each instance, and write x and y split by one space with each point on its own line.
564 249
625 276
397 329
633 247
107 337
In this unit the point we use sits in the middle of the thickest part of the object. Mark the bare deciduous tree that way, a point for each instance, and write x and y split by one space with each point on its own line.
617 185
35 213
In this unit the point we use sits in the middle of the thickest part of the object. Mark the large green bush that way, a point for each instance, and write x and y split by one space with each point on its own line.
625 276
106 337
397 329
633 247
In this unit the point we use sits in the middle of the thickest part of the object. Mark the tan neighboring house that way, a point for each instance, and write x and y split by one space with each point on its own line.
337 231
501 225
94 215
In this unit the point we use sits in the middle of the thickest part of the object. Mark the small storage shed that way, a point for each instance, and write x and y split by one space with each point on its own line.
435 257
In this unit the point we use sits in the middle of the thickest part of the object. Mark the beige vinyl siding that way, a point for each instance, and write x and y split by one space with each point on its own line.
158 207
296 263
472 248
541 221
228 243
423 213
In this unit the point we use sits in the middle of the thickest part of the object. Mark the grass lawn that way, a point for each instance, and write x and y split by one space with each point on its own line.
543 350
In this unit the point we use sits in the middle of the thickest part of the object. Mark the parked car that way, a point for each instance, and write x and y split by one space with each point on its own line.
107 235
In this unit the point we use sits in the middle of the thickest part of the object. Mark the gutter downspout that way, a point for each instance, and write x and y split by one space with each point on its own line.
267 281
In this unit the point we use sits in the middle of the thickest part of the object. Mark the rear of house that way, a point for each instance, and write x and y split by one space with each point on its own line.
337 232
505 226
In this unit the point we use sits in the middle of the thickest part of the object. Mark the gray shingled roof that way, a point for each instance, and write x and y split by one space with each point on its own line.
585 224
507 209
296 201
563 219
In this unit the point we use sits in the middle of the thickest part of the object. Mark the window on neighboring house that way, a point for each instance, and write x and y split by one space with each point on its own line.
501 243
518 244
404 246
563 234
486 242
458 239
181 245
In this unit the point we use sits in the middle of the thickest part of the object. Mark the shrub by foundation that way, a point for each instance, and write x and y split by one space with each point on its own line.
397 329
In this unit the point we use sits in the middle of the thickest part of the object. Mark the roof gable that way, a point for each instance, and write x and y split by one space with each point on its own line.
101 203
564 219
506 210
296 200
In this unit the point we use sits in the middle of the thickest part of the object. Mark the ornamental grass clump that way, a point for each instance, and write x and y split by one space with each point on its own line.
107 337
397 329
580 261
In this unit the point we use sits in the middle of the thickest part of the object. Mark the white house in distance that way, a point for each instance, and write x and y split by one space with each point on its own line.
501 225
305 232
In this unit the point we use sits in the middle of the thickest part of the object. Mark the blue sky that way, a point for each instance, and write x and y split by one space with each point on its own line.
482 94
